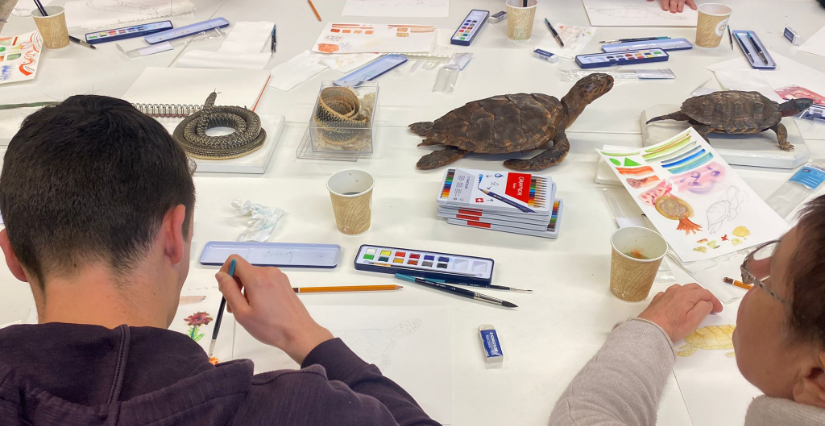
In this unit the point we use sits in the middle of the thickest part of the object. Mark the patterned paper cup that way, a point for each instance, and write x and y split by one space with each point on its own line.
637 254
712 24
53 27
520 19
351 194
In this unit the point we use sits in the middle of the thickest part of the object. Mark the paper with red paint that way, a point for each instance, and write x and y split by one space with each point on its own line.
19 57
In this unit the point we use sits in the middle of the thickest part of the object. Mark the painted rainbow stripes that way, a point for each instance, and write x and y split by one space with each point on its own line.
448 183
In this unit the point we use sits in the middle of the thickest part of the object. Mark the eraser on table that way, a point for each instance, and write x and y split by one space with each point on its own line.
490 344
792 36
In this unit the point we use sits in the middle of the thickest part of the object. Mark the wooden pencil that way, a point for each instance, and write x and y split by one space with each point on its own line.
314 10
346 288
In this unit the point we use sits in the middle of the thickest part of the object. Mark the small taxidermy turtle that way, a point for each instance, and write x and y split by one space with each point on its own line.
736 112
511 123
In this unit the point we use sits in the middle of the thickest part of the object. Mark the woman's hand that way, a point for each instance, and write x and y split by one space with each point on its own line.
676 6
681 309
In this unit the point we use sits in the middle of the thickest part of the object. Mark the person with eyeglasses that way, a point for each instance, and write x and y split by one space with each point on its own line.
779 341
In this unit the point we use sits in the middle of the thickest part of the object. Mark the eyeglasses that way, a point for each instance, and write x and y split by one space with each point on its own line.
756 269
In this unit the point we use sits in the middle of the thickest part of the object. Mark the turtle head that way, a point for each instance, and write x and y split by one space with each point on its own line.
795 106
585 91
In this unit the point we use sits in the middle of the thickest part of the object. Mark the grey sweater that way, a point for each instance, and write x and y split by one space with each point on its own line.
622 384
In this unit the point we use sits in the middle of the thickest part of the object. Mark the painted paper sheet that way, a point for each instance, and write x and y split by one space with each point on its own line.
634 13
375 38
696 201
410 344
196 317
19 57
714 390
398 8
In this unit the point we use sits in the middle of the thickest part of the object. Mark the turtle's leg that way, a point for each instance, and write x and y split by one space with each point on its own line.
440 158
550 157
428 142
782 136
702 129
678 116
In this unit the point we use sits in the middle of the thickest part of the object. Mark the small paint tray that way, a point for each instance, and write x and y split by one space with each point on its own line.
426 264
751 46
667 45
631 57
273 254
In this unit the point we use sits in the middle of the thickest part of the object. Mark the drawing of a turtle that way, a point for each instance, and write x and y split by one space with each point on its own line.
710 338
375 346
736 112
511 123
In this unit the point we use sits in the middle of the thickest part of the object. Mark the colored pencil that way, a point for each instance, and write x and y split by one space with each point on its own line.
220 315
346 288
457 291
315 11
737 283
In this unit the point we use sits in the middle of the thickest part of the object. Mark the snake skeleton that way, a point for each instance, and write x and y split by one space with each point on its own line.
248 135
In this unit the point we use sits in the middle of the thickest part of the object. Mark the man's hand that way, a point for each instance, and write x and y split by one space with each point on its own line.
676 6
268 308
681 309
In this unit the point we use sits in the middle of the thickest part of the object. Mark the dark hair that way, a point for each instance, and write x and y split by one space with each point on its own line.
90 180
807 274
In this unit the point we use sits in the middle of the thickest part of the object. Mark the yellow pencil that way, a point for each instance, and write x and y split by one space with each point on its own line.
314 10
346 288
737 283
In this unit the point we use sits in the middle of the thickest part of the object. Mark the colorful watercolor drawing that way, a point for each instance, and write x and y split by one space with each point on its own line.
635 171
709 338
725 210
195 321
375 346
703 180
675 208
644 182
651 196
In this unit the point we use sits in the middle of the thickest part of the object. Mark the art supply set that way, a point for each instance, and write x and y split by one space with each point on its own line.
756 52
186 31
428 264
470 27
512 202
599 60
372 70
669 44
273 254
124 33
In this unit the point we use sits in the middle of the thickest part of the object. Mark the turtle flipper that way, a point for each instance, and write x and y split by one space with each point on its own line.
440 158
424 128
678 116
782 136
550 157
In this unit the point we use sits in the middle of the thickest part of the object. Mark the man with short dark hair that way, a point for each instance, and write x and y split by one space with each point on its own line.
98 201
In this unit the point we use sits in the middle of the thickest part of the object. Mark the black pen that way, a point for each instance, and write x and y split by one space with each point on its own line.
457 291
553 30
274 38
745 48
217 328
758 49
730 38
81 42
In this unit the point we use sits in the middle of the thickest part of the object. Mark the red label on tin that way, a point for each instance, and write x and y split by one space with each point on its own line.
518 186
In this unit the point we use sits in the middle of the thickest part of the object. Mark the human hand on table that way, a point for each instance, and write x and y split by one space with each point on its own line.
680 309
675 6
264 303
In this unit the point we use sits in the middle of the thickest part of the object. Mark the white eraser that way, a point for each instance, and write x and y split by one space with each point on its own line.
545 55
490 344
792 36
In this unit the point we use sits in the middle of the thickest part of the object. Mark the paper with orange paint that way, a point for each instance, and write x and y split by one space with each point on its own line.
375 38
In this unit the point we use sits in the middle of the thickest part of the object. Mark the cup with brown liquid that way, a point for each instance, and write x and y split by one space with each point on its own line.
637 255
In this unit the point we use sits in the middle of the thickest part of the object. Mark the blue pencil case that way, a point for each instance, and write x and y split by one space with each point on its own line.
751 46
273 254
667 45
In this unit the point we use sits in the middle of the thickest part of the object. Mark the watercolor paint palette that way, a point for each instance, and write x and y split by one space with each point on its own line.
497 191
550 230
426 264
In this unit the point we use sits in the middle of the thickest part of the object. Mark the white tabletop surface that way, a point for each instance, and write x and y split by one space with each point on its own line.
555 330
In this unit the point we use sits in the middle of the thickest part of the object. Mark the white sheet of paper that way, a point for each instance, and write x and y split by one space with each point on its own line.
247 37
347 63
712 211
575 38
787 73
714 390
815 44
375 38
410 344
295 71
191 86
398 8
189 314
748 81
105 13
238 61
636 13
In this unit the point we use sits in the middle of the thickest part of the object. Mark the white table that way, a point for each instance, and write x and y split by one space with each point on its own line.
555 330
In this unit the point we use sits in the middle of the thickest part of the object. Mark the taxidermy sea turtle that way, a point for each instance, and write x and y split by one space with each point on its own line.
737 112
511 123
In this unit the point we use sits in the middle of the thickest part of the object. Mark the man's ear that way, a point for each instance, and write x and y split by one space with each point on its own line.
810 387
172 233
11 259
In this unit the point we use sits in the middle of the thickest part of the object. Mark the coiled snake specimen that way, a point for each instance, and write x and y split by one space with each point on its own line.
340 117
248 135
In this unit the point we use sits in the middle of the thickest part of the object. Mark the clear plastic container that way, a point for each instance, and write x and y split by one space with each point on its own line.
798 188
343 117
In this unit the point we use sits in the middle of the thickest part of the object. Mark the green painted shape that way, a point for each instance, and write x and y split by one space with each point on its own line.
615 161
630 163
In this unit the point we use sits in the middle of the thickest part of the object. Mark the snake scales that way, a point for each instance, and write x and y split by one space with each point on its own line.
340 117
247 137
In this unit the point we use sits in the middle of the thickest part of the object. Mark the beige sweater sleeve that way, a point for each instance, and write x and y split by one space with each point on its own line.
622 384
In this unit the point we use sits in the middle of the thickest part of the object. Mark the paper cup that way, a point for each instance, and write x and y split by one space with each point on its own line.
351 194
637 254
520 19
712 24
53 27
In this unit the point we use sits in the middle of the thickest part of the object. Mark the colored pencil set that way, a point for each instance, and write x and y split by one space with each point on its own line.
519 203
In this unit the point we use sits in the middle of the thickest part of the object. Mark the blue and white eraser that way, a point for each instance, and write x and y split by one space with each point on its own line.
498 17
490 344
792 36
545 55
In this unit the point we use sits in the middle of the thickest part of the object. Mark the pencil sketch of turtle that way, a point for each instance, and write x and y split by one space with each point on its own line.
725 209
510 124
375 346
710 338
736 112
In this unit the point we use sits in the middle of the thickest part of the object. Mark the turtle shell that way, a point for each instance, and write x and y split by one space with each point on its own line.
712 337
733 111
500 124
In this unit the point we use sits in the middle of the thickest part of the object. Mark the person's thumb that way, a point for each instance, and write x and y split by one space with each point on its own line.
227 285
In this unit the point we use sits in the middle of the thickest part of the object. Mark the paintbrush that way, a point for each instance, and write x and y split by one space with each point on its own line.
217 328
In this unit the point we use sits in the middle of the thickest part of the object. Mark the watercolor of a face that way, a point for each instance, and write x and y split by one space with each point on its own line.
703 180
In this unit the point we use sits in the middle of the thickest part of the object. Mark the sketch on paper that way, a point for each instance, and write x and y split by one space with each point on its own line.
725 209
375 346
631 13
709 338
195 321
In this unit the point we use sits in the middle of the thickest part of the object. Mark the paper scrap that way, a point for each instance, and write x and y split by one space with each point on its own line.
105 13
247 37
575 39
295 71
398 8
22 55
347 63
635 13
375 38
204 59
747 81
815 44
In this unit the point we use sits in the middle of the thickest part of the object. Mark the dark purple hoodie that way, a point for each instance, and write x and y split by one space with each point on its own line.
84 375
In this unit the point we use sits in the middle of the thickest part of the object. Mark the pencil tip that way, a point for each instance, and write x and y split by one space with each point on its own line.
507 304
